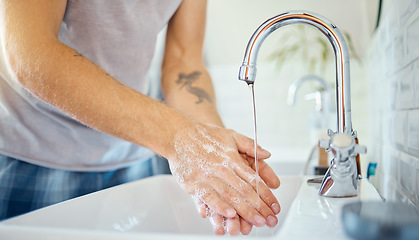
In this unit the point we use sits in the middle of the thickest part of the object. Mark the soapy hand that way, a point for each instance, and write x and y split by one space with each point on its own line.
222 225
216 166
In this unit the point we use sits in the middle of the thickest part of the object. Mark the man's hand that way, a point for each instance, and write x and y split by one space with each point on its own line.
222 225
216 166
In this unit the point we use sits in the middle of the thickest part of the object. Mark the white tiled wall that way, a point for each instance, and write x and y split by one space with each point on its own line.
393 73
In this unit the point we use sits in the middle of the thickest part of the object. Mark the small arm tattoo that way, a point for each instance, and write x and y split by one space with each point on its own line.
186 80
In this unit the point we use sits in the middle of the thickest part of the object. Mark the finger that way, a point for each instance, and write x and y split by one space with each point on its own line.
269 199
217 222
247 146
202 208
245 227
266 173
268 204
272 181
271 206
240 187
211 198
233 225
245 203
241 206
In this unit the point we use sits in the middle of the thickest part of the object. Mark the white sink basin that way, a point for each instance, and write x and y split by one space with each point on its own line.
153 208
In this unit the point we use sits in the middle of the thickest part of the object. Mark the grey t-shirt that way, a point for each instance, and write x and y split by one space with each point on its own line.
119 36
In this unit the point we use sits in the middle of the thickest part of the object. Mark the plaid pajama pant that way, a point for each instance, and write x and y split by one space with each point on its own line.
26 187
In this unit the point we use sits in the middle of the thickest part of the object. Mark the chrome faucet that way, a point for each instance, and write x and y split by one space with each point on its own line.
247 73
322 97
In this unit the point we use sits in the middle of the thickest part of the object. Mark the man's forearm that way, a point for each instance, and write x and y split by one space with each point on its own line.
63 78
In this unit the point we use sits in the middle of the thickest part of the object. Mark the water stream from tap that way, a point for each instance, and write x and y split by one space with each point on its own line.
252 86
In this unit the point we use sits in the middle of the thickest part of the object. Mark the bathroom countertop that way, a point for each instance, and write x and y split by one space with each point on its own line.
315 217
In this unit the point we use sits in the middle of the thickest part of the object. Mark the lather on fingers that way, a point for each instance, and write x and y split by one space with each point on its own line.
246 149
266 175
237 201
241 194
221 225
270 179
227 201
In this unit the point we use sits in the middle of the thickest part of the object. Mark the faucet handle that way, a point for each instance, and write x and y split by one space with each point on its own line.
325 143
359 149
330 133
339 142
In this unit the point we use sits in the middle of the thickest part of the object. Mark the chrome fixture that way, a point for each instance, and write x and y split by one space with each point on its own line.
341 179
321 97
247 73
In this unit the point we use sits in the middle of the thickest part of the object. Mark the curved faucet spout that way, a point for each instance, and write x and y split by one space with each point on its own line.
247 71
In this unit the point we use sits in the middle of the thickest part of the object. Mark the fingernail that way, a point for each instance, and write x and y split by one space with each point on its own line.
259 220
271 221
275 208
230 213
